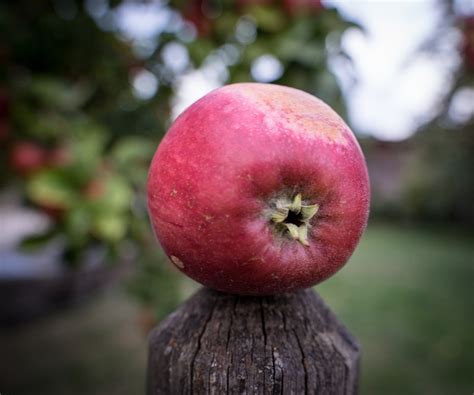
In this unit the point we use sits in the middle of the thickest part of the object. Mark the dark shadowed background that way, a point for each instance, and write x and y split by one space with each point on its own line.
87 90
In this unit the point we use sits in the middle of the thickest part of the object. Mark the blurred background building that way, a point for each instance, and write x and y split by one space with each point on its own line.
88 88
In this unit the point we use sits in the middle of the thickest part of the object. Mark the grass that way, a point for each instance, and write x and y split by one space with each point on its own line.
407 295
93 349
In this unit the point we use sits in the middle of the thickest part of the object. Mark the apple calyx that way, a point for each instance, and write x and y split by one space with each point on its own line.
292 218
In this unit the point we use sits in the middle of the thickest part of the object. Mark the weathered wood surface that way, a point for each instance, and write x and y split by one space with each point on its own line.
226 344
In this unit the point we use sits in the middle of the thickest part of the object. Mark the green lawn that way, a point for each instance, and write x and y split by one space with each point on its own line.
94 349
407 295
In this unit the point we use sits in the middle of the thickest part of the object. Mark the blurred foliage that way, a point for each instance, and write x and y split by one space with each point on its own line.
84 103
68 140
440 184
439 177
299 34
428 177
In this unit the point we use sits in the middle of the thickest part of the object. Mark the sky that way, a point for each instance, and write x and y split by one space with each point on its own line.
397 87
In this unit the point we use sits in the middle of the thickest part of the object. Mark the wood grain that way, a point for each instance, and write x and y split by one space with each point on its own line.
225 344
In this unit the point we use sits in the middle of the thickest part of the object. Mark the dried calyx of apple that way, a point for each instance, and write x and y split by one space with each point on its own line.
292 217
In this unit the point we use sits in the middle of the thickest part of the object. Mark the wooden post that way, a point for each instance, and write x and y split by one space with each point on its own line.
226 344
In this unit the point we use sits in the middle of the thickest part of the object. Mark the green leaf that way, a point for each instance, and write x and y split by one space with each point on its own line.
270 19
58 94
52 188
224 26
78 225
35 242
133 149
199 50
88 145
295 50
117 197
110 227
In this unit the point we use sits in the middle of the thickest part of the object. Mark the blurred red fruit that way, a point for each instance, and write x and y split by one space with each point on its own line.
95 189
301 6
194 13
468 42
27 157
53 211
60 157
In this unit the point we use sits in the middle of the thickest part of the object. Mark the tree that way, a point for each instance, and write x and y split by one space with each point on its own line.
77 136
439 185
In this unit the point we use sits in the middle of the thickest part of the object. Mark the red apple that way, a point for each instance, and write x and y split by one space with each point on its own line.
27 157
258 189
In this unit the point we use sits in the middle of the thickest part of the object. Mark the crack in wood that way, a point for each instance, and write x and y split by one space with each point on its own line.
303 361
201 334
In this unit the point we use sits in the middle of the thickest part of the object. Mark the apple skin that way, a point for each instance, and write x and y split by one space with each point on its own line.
216 171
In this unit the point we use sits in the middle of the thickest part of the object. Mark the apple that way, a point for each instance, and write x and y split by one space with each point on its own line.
27 157
258 189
